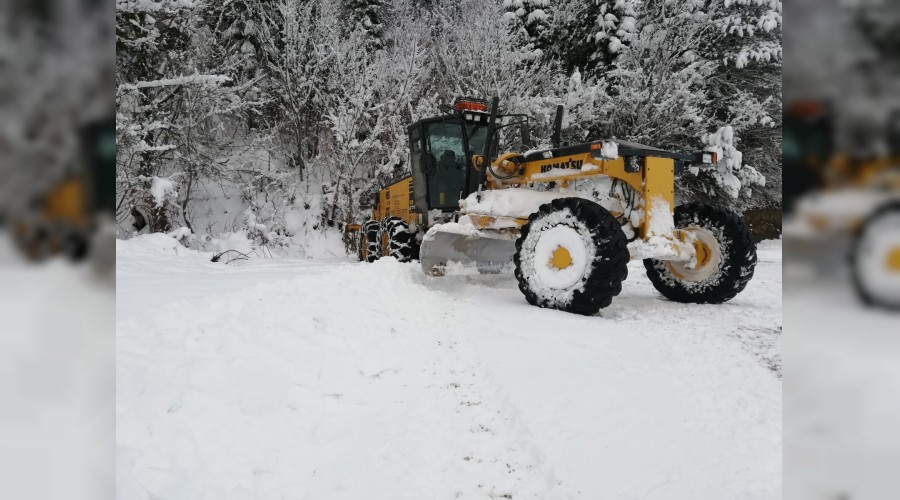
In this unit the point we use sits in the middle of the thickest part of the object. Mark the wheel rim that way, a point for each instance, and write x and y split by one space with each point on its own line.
707 257
892 261
560 257
878 259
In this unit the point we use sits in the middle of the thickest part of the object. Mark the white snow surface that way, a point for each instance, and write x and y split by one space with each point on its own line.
841 407
293 378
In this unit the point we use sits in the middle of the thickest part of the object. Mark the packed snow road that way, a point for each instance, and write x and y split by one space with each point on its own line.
281 378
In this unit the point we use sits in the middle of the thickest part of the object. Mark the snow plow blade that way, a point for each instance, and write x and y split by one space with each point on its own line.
442 252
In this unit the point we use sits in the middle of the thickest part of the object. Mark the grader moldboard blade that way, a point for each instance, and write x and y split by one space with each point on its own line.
441 249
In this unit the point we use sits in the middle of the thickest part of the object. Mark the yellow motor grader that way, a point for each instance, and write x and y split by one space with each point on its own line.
844 202
64 217
565 220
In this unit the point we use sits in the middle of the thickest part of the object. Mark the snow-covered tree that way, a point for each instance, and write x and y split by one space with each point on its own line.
475 54
656 94
614 28
589 35
531 19
369 16
171 114
745 89
304 104
669 88
237 26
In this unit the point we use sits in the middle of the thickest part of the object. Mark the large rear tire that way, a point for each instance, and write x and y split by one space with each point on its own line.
76 246
34 240
369 239
875 259
400 242
572 256
725 263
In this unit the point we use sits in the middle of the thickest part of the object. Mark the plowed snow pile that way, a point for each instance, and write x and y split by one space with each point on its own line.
279 378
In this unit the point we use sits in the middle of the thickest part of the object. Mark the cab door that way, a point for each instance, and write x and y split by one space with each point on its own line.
445 163
417 169
439 164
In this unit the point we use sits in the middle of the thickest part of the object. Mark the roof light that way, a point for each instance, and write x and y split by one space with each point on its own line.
470 104
808 108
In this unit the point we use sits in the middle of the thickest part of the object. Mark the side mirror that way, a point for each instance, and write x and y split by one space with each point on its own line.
429 164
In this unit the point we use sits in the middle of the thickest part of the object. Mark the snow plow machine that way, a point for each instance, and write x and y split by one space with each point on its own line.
565 220
844 202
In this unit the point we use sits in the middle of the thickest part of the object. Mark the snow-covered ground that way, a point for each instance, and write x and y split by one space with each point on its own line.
842 387
288 378
56 372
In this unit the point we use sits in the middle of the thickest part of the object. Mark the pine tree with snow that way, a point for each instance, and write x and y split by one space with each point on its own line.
614 28
744 38
532 21
150 37
240 28
369 16
590 34
879 23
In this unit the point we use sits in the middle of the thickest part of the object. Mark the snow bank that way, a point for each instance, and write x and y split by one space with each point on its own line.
152 245
237 241
321 244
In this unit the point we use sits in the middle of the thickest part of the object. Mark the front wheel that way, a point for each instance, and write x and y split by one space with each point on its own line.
875 261
724 262
572 256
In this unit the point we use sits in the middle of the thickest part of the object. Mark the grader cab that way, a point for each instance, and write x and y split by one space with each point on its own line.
62 217
566 219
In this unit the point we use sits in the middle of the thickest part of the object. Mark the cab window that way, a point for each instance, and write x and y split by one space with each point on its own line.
446 165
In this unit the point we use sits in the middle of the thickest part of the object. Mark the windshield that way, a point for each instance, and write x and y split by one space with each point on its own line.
448 160
477 133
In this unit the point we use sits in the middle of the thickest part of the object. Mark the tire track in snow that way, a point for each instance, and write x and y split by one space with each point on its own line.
647 393
483 401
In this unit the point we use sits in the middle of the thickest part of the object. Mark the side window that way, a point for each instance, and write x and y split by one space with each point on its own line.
414 143
419 182
447 179
790 147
